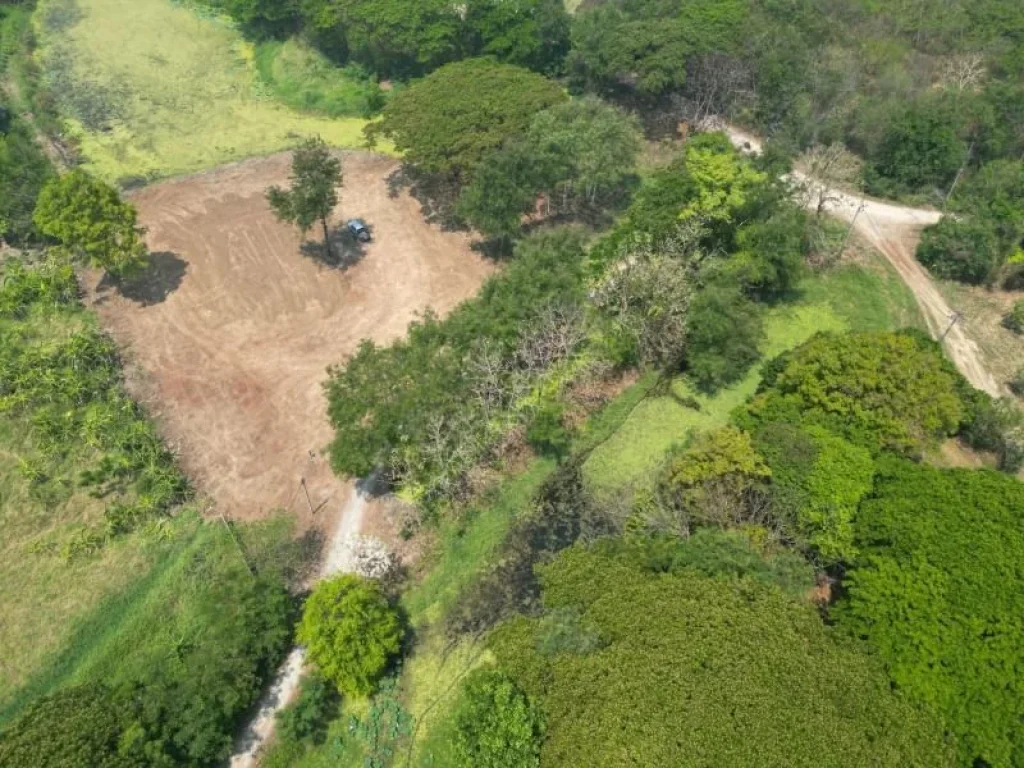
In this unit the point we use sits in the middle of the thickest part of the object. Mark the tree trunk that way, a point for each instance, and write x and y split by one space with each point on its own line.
327 240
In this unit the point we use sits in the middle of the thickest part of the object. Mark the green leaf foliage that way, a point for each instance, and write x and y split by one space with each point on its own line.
818 479
939 592
722 554
66 389
75 727
89 218
383 401
448 122
648 43
725 451
351 632
495 725
699 671
724 331
315 178
528 33
24 170
965 249
881 390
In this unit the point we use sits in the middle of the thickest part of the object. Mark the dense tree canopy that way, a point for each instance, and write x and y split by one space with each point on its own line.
74 727
449 121
880 390
696 671
818 479
938 590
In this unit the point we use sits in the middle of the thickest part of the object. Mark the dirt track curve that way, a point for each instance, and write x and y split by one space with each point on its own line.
895 230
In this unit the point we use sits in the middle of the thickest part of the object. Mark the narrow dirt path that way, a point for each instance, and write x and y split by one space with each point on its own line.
337 559
895 230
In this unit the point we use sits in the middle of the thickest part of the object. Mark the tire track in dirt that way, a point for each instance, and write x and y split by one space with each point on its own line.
895 231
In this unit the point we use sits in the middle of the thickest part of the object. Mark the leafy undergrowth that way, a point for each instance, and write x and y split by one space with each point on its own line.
153 89
845 298
107 577
302 78
626 440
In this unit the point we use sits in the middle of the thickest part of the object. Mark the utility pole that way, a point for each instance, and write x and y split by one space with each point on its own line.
954 318
956 179
849 231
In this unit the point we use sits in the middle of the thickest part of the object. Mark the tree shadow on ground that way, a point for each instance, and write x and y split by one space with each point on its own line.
436 196
346 249
161 277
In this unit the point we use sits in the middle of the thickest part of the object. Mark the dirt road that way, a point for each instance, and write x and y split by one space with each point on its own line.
895 230
285 685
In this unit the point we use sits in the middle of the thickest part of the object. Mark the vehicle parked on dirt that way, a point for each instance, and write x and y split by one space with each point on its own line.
359 230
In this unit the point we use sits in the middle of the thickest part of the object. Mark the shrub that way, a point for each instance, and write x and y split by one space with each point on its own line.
818 479
965 249
547 431
351 632
1016 384
724 332
1014 319
495 726
89 218
306 719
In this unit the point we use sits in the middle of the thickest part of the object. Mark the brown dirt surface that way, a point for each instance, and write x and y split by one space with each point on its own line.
232 329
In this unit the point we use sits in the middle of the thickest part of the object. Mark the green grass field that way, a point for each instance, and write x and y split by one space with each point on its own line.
152 89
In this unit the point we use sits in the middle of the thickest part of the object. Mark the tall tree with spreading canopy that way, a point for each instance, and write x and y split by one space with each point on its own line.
91 221
451 120
315 177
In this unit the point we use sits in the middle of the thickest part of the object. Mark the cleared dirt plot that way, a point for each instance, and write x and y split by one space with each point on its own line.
234 327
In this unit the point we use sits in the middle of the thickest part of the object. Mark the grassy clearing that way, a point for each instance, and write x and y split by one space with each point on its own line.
1001 349
301 77
152 89
849 297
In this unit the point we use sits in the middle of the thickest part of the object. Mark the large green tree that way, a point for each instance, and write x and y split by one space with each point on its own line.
451 120
315 178
89 218
696 671
938 590
880 390
588 147
351 632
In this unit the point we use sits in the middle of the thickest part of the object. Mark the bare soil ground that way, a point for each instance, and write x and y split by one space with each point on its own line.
231 331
